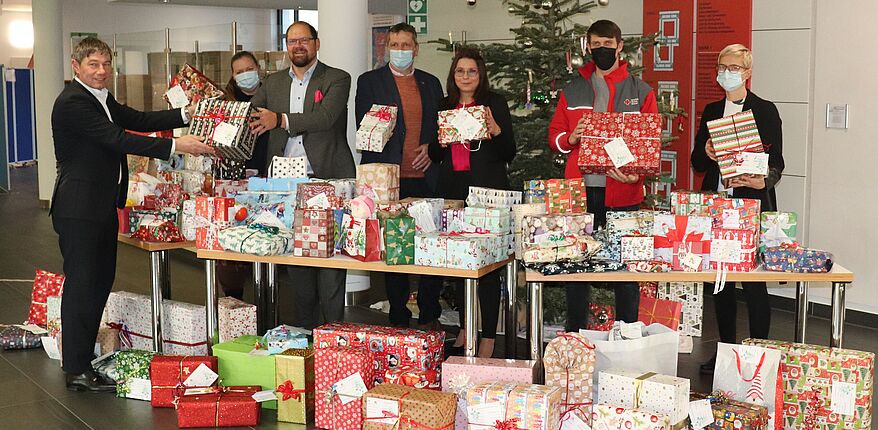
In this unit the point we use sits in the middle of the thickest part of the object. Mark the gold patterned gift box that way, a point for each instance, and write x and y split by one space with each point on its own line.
295 385
569 363
400 407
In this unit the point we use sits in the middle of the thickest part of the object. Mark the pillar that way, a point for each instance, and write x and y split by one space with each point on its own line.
49 66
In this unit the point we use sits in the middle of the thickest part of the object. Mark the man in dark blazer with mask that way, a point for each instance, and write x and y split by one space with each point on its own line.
88 127
304 109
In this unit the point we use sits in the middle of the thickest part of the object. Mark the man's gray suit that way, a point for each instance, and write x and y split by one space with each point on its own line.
323 127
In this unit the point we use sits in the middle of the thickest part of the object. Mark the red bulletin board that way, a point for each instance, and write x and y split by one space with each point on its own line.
668 69
719 23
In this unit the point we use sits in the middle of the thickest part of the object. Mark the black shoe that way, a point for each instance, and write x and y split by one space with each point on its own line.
91 382
707 367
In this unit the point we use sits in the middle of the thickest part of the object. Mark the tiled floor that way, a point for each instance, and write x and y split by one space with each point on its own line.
32 393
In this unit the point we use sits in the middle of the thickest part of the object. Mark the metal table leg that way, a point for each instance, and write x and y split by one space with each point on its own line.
801 311
166 274
271 307
259 296
838 310
156 275
210 272
535 324
471 303
511 308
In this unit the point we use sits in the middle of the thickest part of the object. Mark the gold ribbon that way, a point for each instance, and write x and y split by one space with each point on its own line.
638 387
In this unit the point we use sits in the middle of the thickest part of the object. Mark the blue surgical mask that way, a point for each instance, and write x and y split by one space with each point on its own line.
401 59
248 80
729 80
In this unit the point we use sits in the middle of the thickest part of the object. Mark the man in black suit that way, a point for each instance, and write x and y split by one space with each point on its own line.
91 144
417 95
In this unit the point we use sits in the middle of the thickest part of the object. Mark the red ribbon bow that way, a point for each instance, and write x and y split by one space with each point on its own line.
218 115
510 424
289 392
678 234
382 114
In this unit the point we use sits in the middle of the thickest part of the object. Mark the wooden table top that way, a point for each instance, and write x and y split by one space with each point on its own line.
154 246
838 274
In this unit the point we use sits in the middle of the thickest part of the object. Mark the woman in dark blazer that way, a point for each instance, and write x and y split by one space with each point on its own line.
733 69
481 163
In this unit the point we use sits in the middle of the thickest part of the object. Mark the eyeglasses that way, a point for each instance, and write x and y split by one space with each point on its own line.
471 73
734 68
299 41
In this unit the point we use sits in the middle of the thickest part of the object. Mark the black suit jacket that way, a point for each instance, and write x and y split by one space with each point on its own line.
770 131
90 151
488 164
379 87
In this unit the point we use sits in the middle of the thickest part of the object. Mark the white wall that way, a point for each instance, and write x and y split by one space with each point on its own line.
7 51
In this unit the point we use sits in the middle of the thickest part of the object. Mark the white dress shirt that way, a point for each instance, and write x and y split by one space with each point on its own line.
295 146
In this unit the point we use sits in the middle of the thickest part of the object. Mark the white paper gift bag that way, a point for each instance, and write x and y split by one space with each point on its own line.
288 167
750 374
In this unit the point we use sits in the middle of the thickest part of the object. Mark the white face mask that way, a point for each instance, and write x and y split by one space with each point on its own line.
729 80
248 80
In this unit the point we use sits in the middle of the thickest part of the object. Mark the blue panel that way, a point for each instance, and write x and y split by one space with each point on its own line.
24 105
10 123
4 161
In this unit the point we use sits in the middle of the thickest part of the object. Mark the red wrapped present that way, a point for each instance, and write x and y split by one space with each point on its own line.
158 231
211 216
683 241
363 239
225 407
314 233
338 372
600 317
167 373
169 195
648 289
733 250
150 202
413 377
664 312
565 196
45 284
394 347
194 84
124 221
641 141
735 213
651 266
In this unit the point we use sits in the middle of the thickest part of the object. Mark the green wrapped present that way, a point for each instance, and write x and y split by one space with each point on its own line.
399 240
132 374
295 385
257 239
238 367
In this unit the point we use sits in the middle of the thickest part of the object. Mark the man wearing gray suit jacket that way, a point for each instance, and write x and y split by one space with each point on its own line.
304 109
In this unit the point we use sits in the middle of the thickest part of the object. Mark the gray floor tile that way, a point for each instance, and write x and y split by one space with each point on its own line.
107 412
43 415
19 390
42 371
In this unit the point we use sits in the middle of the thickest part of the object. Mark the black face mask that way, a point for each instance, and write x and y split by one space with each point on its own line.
603 57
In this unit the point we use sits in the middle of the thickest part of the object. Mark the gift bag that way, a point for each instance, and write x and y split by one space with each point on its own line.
288 167
751 374
363 239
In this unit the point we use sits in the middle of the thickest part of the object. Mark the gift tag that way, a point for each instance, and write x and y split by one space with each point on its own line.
700 414
467 126
202 376
318 201
754 163
196 391
619 153
573 422
35 329
264 396
844 398
177 97
139 388
384 411
691 261
731 219
486 414
225 133
350 388
50 345
725 251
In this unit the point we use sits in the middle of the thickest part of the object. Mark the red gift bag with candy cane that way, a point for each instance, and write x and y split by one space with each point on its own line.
751 374
45 284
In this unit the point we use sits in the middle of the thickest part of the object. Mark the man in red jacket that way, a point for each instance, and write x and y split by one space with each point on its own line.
603 85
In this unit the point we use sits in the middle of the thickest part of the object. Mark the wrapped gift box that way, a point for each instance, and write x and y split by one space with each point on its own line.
449 216
649 392
132 374
535 191
232 406
392 406
791 258
45 284
236 318
14 337
733 415
534 407
733 250
461 373
225 126
631 222
53 315
817 371
459 125
381 178
393 347
732 135
314 195
648 289
183 324
168 374
492 198
211 216
735 214
427 214
600 317
570 248
229 187
168 195
335 408
198 163
679 235
494 220
519 212
282 338
108 338
362 239
295 385
569 363
195 84
564 196
690 294
376 127
537 228
188 222
399 240
651 266
158 231
288 167
606 417
138 217
413 377
641 133
237 366
664 312
484 393
776 229
637 248
257 239
313 233
464 251
694 203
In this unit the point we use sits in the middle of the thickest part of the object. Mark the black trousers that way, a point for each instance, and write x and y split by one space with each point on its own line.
579 293
232 276
489 291
758 310
89 251
397 285
318 295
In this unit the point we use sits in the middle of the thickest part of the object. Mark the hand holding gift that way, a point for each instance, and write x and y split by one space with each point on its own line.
264 120
493 128
617 175
708 148
576 135
190 144
757 182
